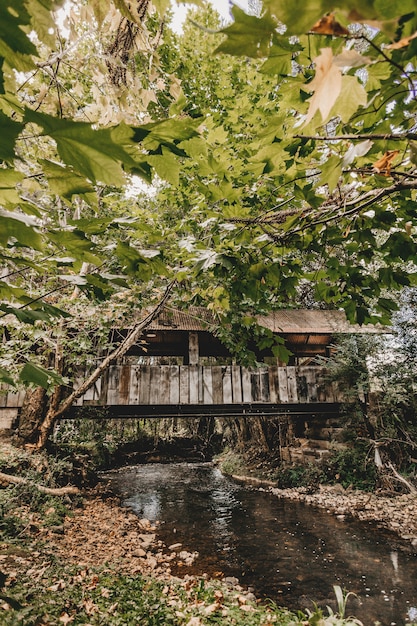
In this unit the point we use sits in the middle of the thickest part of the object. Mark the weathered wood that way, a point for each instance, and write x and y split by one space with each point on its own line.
193 349
184 385
144 384
124 383
174 384
227 389
292 384
311 379
237 384
194 383
171 385
302 390
113 385
246 385
164 392
255 385
283 385
217 384
207 386
273 385
134 385
155 385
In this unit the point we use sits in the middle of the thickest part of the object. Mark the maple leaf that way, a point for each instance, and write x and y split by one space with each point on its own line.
326 85
328 25
384 164
402 43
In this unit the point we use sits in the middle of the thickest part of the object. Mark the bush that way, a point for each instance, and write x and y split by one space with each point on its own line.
352 467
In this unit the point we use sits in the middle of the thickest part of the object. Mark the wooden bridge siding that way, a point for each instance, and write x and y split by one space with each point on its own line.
147 385
196 384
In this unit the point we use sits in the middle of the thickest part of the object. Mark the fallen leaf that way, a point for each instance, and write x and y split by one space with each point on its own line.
329 26
212 608
402 43
384 164
194 621
218 594
326 85
66 619
89 607
57 586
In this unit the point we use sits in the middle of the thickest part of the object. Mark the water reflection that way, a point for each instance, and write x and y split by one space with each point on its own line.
287 551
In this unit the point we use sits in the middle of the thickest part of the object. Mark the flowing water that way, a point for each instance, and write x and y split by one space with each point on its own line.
288 552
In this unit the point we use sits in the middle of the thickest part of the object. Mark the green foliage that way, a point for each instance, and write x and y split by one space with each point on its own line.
310 475
101 596
352 467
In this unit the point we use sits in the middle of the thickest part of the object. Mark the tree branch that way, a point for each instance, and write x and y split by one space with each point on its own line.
360 137
52 491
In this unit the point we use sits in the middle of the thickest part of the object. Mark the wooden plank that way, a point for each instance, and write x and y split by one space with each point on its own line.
311 377
264 382
194 383
255 383
164 391
193 350
207 385
113 385
292 384
144 375
321 385
200 385
227 390
174 384
217 384
283 384
134 385
246 385
155 384
237 384
124 384
273 385
302 384
104 387
184 385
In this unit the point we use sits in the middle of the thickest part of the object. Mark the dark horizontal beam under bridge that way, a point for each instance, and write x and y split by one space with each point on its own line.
190 410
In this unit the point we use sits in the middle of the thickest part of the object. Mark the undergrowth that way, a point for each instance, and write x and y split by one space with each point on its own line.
65 595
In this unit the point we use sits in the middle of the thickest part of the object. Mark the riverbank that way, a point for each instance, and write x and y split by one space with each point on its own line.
395 513
82 559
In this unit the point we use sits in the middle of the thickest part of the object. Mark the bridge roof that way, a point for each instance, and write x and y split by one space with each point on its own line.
285 321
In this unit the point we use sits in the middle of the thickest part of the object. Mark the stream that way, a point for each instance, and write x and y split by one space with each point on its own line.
286 551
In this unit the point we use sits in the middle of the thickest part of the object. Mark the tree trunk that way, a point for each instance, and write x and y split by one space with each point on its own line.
31 415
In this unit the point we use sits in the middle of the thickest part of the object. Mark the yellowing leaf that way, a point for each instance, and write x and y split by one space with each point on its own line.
384 164
402 43
326 85
329 26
